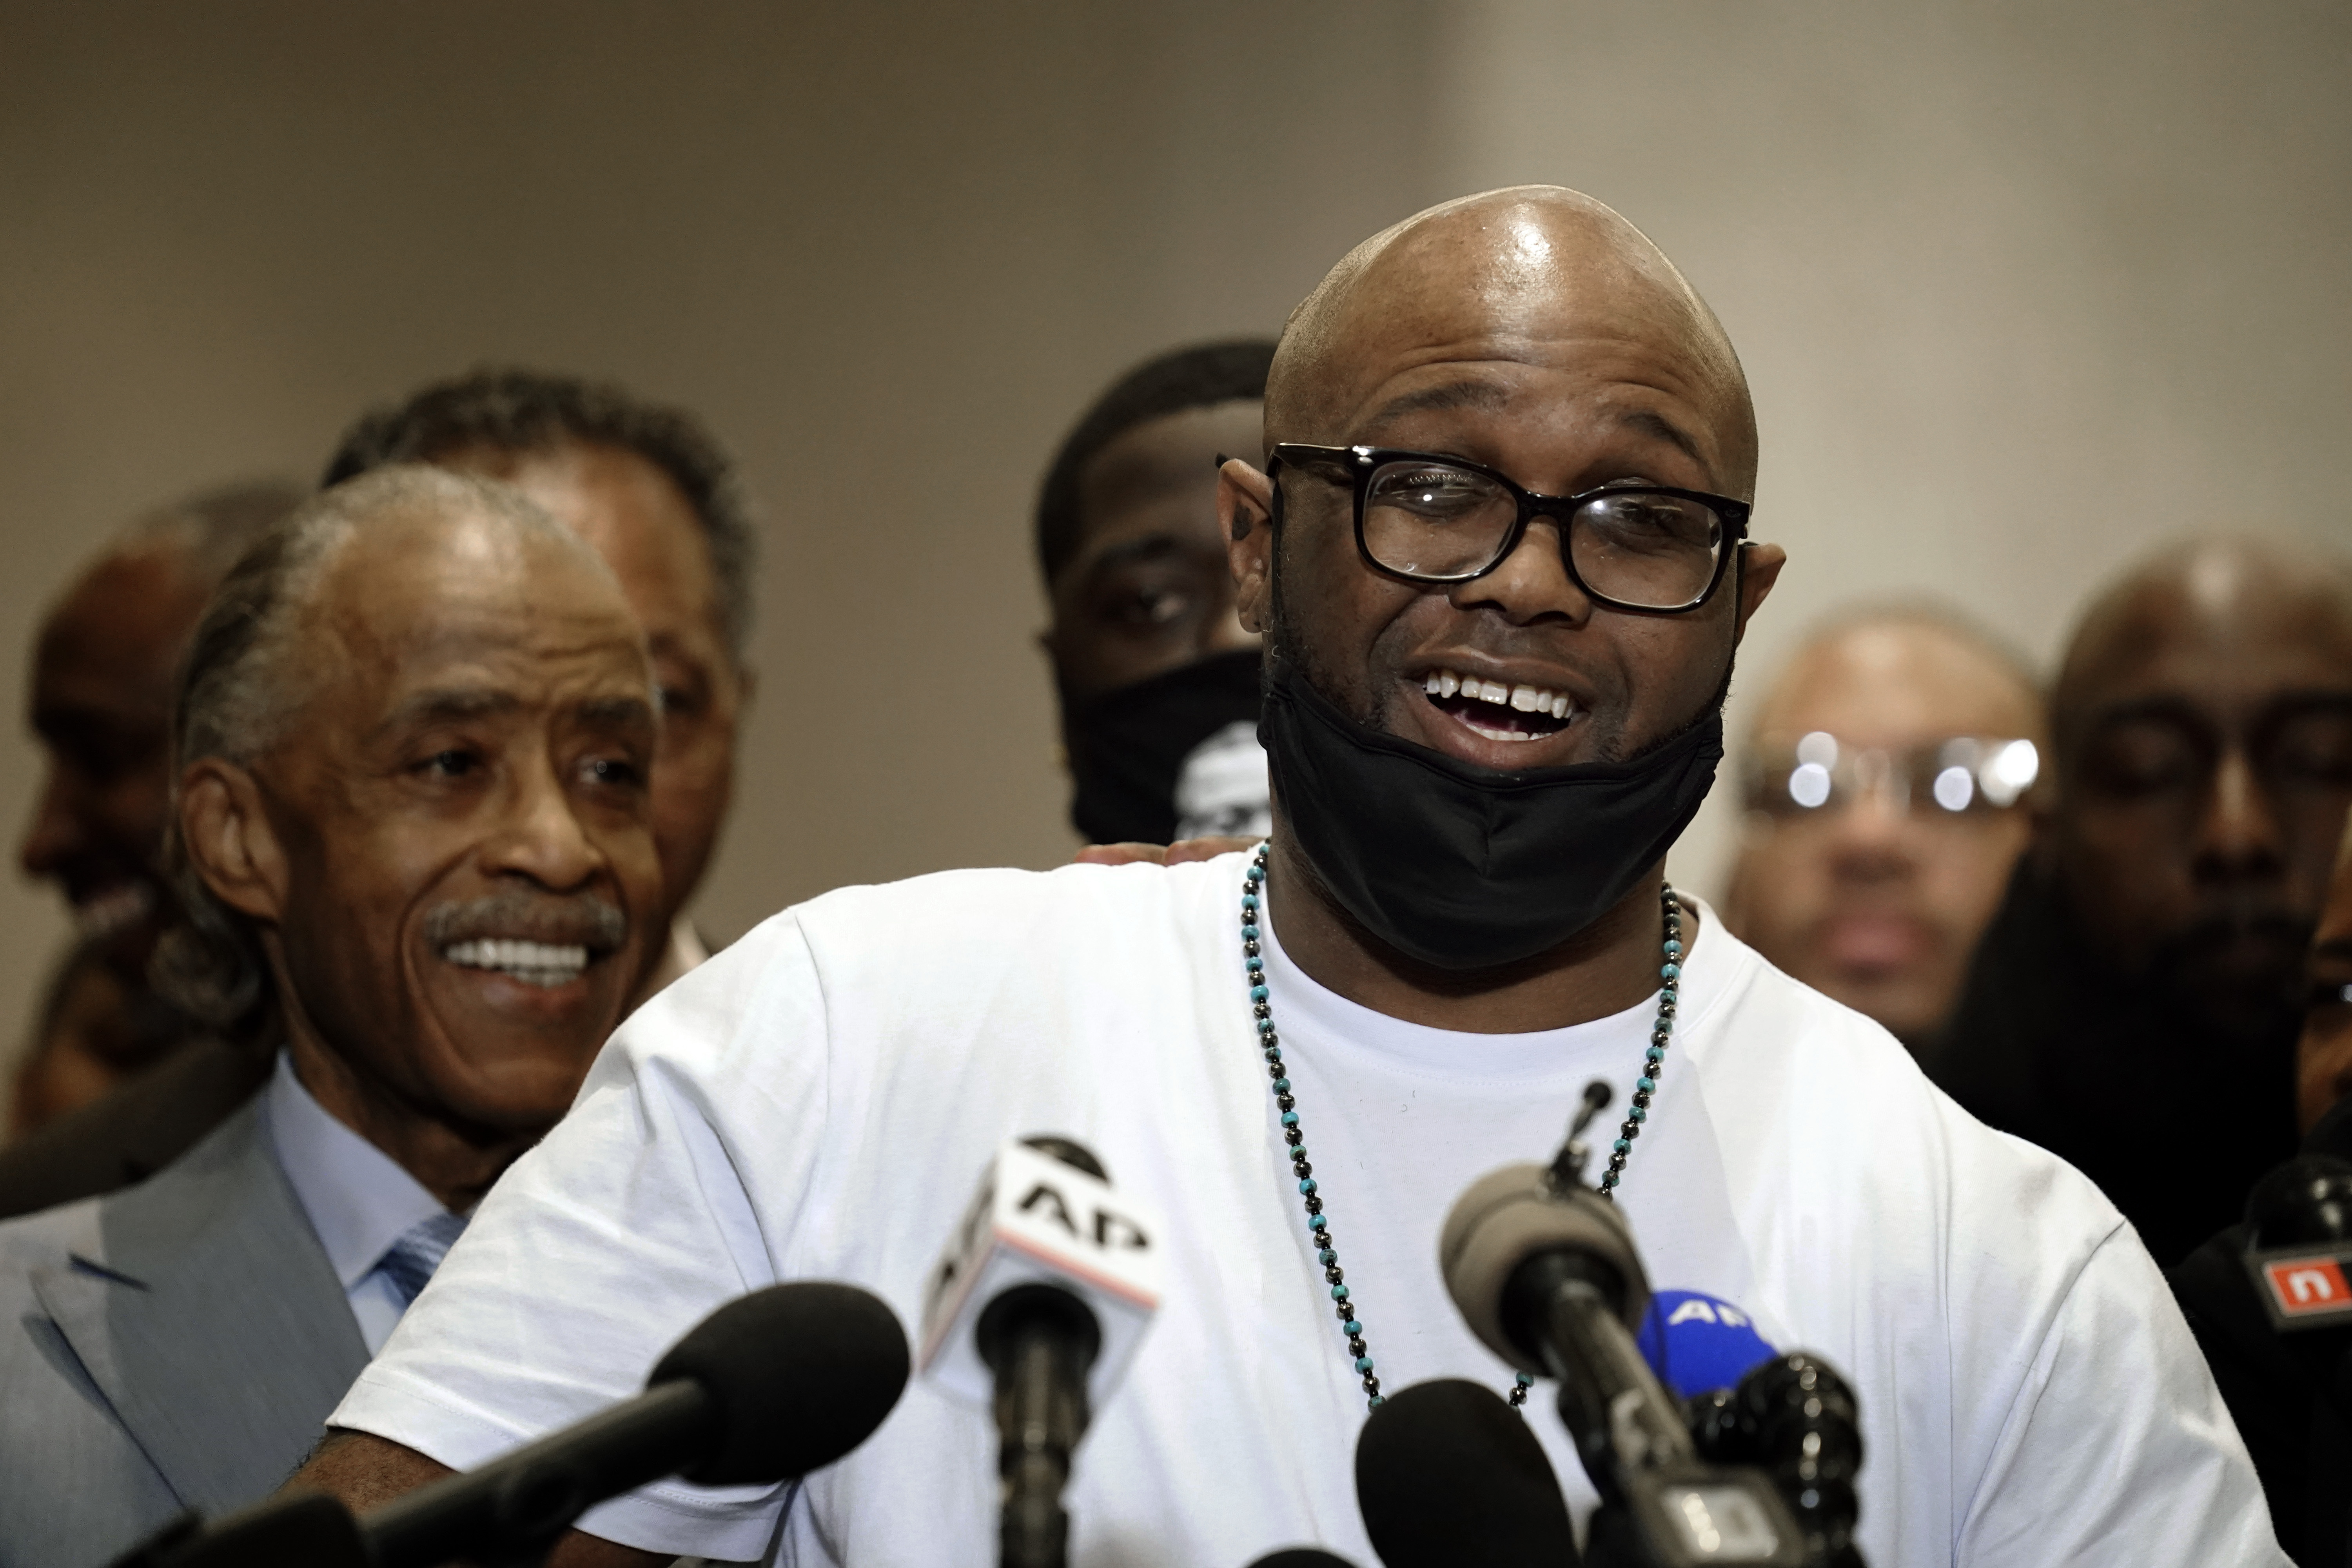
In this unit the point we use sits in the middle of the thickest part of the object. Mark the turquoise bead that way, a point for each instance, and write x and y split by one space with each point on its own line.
1364 1363
1351 1328
1339 1292
1673 949
1258 993
1249 901
1623 1144
1307 1186
1282 1086
1671 971
1656 1055
1327 1258
1249 933
1637 1113
1290 1119
1315 1222
1375 1402
1645 1083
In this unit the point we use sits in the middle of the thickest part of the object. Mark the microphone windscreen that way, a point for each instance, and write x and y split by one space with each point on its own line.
1448 1476
1301 1557
1696 1342
800 1374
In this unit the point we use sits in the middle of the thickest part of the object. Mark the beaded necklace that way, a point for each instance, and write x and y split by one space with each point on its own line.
1349 1310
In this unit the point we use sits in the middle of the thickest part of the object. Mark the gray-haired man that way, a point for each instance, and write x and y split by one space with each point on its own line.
415 736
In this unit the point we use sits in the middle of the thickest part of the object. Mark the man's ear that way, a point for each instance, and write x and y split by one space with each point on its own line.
1246 511
229 840
1759 567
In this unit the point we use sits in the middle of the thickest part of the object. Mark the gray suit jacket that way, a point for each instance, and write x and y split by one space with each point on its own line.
178 1344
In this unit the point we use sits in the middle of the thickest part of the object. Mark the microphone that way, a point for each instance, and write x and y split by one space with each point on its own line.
1697 1343
769 1387
1035 1309
1301 1557
1448 1476
1545 1272
1793 1416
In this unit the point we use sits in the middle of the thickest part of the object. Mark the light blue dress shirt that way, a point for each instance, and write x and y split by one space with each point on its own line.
358 1198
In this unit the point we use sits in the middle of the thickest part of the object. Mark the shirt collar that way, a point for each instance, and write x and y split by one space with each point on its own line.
358 1198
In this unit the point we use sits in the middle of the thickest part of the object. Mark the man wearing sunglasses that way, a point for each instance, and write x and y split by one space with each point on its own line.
1495 549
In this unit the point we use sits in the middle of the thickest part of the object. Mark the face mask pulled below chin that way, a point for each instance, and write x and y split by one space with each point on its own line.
1130 748
1463 866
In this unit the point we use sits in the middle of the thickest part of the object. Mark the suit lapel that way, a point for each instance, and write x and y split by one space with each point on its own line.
210 1319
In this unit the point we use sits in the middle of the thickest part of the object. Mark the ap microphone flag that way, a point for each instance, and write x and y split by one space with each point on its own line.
1696 1342
1037 1220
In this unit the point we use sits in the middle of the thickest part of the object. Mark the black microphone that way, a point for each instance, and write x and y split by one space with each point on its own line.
1545 1272
1033 1308
1448 1476
770 1386
1794 1417
1301 1557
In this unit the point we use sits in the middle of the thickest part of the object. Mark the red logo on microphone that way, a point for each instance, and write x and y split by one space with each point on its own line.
2308 1287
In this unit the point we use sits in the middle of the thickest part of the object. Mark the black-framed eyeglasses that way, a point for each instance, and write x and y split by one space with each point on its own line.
1430 519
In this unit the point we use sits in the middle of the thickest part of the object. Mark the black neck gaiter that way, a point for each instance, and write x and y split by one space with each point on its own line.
1463 866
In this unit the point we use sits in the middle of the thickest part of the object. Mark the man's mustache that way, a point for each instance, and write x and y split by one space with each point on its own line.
585 919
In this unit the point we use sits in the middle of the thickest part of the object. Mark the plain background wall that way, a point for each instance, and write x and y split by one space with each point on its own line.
2021 287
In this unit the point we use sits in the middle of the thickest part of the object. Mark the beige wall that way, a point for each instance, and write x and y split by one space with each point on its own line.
2021 289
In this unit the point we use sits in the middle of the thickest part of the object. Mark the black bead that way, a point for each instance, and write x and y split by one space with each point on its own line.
1371 1384
1293 1136
1262 1009
1302 1169
1314 1203
1343 1311
1334 1274
1286 1103
1273 1070
1355 1344
1642 1097
1249 950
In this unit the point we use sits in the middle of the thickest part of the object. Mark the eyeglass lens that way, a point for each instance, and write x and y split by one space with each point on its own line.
1965 774
1434 521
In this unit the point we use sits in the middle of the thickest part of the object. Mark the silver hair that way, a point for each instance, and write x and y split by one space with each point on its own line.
250 670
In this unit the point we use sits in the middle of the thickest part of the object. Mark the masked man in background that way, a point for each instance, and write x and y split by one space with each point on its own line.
415 731
1157 680
1495 549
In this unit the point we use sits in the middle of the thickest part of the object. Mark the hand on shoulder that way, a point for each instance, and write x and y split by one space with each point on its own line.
1175 854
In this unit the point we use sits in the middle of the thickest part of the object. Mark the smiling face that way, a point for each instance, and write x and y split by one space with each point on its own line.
643 526
1539 336
102 704
449 854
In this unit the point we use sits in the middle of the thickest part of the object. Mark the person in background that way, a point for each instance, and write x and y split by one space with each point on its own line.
103 663
2291 1393
1157 681
1885 784
652 489
2134 1006
415 734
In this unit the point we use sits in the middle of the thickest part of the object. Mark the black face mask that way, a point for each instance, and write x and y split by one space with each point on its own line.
1464 867
1127 747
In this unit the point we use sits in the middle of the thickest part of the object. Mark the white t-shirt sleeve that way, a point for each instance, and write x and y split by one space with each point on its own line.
2117 1448
635 1219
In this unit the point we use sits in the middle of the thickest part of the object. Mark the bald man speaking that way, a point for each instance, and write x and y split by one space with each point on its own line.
1493 542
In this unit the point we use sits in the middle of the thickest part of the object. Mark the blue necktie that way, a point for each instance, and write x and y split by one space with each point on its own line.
409 1262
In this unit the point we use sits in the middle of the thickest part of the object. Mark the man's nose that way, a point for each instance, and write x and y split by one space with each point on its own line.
1531 581
2237 832
55 834
542 836
1870 839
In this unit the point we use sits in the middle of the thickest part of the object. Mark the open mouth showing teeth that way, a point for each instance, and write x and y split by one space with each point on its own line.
1497 711
543 963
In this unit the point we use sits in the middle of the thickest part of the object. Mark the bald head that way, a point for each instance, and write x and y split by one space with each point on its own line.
2204 738
1534 275
2253 607
1890 678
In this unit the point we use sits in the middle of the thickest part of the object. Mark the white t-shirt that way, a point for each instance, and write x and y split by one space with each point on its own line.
819 1100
